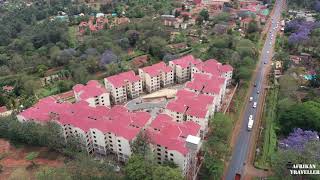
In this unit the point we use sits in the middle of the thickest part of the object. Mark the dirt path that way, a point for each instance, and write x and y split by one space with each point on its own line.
13 160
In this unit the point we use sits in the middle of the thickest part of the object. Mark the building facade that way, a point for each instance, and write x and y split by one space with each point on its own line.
156 76
190 106
93 92
169 141
123 86
182 67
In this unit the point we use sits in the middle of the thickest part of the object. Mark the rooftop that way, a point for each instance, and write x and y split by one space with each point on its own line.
117 120
92 89
206 83
213 67
185 61
165 132
190 103
121 79
156 69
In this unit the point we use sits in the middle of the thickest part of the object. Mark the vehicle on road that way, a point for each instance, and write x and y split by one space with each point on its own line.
251 98
255 85
265 62
254 104
250 123
237 177
258 92
268 52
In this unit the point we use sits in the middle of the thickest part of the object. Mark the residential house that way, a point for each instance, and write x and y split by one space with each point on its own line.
101 130
123 86
4 111
156 76
7 88
190 106
93 92
182 67
170 142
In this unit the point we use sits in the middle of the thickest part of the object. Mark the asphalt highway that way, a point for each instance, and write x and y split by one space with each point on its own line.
241 148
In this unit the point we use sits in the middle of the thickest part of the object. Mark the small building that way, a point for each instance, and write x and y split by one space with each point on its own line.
7 88
295 59
4 112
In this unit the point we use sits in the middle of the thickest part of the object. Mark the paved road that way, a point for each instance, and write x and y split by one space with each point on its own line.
241 148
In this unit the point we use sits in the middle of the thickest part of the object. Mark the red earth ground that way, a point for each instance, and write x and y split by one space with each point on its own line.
12 159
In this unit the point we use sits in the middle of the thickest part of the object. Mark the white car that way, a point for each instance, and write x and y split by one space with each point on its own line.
250 123
254 104
250 99
268 52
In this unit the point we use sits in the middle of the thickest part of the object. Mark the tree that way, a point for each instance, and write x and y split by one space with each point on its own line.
303 115
156 46
204 14
137 168
140 145
164 173
288 85
253 27
297 139
133 37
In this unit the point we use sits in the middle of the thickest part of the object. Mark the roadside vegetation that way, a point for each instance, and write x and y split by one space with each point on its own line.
291 119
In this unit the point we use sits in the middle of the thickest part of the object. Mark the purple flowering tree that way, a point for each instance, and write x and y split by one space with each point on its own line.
108 57
297 139
300 30
317 6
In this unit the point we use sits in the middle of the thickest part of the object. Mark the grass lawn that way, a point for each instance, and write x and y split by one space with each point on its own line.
47 91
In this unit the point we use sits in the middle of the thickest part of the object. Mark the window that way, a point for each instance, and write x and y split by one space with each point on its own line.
120 149
159 154
119 145
171 159
158 149
94 137
171 154
159 158
95 141
119 141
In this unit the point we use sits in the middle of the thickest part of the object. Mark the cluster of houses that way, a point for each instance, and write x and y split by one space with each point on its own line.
99 22
105 126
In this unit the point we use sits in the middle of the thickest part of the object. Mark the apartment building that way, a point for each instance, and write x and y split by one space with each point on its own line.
169 142
209 85
182 67
123 86
156 76
101 130
190 106
93 92
214 68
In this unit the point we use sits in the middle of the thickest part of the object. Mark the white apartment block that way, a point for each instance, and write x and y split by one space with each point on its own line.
169 141
156 76
190 106
209 85
123 86
97 127
93 92
182 67
214 68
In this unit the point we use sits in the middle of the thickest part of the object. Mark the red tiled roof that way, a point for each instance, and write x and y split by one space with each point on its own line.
165 132
213 67
65 95
3 109
185 61
7 88
190 103
92 89
206 83
121 79
117 120
156 69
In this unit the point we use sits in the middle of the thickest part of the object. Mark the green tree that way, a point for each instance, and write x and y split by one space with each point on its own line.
204 14
140 145
48 173
164 173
